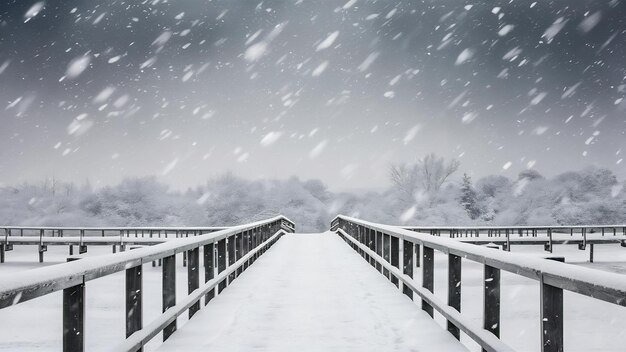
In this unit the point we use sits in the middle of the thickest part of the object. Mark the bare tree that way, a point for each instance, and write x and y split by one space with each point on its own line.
435 171
428 174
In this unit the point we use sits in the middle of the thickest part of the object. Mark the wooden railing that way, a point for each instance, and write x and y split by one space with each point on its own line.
227 253
380 246
81 236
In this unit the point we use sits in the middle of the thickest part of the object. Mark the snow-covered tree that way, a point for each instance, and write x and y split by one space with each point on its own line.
468 199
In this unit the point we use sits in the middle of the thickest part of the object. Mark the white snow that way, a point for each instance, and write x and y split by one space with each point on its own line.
270 138
464 56
255 51
33 11
311 292
326 43
319 69
77 66
318 149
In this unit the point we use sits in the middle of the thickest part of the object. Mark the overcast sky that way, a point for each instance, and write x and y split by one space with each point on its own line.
335 90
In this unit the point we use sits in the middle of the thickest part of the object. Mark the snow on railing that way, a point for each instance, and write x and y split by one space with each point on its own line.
80 236
226 252
581 235
380 246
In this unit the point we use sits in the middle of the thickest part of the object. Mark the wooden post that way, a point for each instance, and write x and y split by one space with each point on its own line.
454 290
169 291
428 276
395 258
209 270
193 277
551 316
1 252
379 249
407 265
74 317
372 245
491 300
134 300
246 247
231 256
386 250
590 252
221 262
238 250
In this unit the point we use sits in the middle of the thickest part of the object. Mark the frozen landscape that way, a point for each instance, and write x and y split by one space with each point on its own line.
190 137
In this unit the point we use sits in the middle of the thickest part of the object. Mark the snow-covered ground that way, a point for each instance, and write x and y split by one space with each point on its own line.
311 293
357 297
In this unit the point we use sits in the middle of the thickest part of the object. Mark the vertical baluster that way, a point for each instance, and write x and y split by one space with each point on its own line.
238 251
230 245
209 270
428 275
379 249
169 291
454 289
193 277
386 252
551 316
74 317
407 265
491 300
395 258
134 300
221 262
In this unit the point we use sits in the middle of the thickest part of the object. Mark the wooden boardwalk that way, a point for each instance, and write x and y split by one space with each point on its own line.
311 292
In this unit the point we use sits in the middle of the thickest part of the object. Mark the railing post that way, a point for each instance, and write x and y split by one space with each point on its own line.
134 301
386 250
428 276
395 258
371 235
238 251
407 265
221 262
74 317
193 277
491 298
169 291
454 289
1 252
209 270
231 256
551 316
379 249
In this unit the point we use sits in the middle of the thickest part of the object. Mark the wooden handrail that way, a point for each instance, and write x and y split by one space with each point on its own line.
245 241
370 240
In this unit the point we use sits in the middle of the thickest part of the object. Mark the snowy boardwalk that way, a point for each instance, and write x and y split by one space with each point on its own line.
311 292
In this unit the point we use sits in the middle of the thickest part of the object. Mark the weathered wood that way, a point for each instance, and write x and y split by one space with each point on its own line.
221 263
169 291
193 277
395 258
209 270
551 316
230 245
386 253
454 289
407 266
428 276
134 300
74 317
379 249
491 300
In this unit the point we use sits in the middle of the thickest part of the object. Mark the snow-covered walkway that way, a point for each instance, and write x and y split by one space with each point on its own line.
311 292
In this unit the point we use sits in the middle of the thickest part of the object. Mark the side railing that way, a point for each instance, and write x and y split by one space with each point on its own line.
227 253
380 246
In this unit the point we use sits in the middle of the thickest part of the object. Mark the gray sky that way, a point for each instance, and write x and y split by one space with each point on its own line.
335 90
